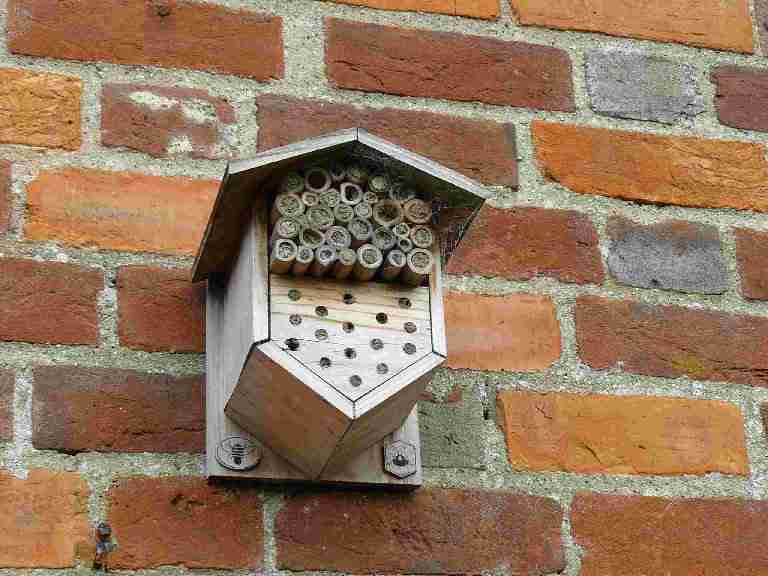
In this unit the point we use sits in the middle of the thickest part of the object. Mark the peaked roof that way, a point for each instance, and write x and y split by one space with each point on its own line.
244 178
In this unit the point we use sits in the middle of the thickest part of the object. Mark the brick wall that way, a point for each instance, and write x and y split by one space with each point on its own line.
608 314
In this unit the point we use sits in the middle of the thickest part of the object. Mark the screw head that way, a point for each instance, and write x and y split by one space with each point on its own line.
400 459
238 453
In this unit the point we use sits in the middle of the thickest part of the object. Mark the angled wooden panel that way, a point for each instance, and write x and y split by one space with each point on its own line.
383 410
288 408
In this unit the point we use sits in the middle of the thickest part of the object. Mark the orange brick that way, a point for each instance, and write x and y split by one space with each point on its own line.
44 520
119 210
622 434
684 171
724 25
518 333
486 9
40 109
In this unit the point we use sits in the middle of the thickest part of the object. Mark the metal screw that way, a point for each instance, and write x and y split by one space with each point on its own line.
347 327
294 294
321 311
292 344
404 302
382 368
355 380
350 353
325 362
409 348
349 298
295 319
321 334
381 318
377 344
410 327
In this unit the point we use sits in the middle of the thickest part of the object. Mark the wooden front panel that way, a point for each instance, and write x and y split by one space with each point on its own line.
366 335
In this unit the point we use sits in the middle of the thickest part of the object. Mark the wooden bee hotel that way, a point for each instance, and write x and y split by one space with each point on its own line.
324 308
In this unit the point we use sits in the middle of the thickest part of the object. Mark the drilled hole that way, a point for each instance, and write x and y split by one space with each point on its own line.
321 334
295 319
321 311
294 294
410 327
292 344
381 318
409 348
347 327
355 380
377 344
404 302
382 368
350 353
325 362
349 298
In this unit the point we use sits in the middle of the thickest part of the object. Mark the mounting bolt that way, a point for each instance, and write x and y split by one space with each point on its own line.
238 453
400 459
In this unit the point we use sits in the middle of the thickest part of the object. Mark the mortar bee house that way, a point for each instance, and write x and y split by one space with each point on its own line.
321 333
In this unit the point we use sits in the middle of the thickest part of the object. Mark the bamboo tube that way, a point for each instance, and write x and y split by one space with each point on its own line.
287 205
387 213
402 230
379 184
417 267
317 179
357 174
351 193
311 237
292 183
285 228
304 257
361 232
282 256
383 239
417 211
337 171
310 198
343 214
422 236
330 198
324 257
393 265
320 217
404 245
401 192
338 237
363 210
369 259
345 263
370 197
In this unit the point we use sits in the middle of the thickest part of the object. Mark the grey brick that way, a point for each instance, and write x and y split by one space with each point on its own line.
452 428
640 87
671 255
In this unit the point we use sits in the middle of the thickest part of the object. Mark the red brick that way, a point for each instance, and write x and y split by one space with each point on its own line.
517 333
5 196
184 521
119 210
686 171
648 340
166 33
480 149
705 23
486 9
40 109
49 302
640 535
752 255
430 531
429 64
108 410
160 310
741 97
7 380
522 243
44 520
167 121
597 434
